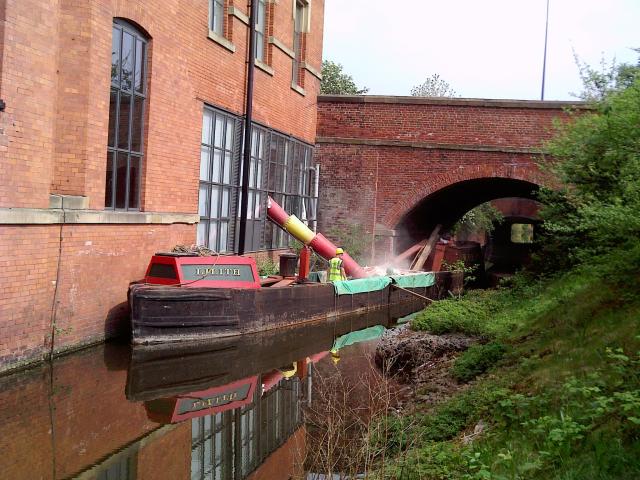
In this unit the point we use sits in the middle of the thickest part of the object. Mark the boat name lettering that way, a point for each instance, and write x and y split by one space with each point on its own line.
233 272
214 401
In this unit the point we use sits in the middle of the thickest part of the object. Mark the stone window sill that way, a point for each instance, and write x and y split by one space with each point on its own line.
49 216
298 89
264 67
221 41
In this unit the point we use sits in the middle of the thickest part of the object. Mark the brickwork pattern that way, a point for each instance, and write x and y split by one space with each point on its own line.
379 160
55 80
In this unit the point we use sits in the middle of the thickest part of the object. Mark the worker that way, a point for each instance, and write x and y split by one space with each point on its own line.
336 269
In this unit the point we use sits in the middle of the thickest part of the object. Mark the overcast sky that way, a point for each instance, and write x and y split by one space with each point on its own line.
483 48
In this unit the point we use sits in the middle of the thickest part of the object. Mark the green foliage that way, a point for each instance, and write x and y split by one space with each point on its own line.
353 239
336 82
433 86
598 161
610 77
564 401
476 313
477 360
267 267
482 218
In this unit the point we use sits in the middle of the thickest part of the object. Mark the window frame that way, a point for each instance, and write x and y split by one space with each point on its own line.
229 161
221 6
138 93
300 13
261 32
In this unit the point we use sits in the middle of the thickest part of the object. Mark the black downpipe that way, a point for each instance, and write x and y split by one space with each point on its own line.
248 115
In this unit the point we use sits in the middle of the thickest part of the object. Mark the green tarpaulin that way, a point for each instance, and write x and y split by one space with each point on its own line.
414 280
365 335
360 285
372 284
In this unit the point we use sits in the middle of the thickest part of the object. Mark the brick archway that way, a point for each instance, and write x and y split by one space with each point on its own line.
381 157
526 173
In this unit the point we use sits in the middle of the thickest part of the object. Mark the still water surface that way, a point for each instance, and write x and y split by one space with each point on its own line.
229 409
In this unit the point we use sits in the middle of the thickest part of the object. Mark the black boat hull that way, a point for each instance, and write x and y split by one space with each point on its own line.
169 314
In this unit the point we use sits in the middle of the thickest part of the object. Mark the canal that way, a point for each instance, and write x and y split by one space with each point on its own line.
276 405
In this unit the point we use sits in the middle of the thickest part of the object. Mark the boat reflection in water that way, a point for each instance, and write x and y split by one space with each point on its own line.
243 396
215 410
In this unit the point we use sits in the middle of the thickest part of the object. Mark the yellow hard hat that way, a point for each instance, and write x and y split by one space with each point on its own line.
339 251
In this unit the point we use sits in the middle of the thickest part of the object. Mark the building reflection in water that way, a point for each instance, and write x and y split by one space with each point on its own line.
164 414
231 444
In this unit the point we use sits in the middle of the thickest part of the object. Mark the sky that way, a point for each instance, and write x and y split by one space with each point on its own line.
483 48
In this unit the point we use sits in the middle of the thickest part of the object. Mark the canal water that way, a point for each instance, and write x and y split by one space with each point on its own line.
275 405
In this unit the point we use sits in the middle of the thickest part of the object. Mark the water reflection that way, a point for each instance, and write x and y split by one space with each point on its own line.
229 409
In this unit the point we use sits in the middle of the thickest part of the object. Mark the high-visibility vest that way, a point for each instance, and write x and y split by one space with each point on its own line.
335 272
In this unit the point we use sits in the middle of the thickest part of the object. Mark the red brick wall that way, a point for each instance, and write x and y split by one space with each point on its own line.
26 426
155 463
185 70
381 156
28 86
54 78
459 122
87 418
28 262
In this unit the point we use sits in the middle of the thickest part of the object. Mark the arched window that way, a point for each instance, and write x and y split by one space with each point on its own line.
126 117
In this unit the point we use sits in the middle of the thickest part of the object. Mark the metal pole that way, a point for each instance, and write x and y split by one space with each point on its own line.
246 159
544 60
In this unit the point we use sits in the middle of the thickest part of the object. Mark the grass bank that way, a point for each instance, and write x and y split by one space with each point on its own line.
554 392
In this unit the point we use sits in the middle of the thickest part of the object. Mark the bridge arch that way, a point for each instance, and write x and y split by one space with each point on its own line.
389 163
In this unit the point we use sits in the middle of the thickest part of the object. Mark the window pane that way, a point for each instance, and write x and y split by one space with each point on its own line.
127 61
204 163
217 166
140 66
134 182
219 133
215 202
113 116
207 122
217 18
224 234
250 206
228 144
225 202
259 175
256 211
227 168
136 127
115 54
123 121
202 201
252 175
259 46
213 236
121 180
108 193
202 233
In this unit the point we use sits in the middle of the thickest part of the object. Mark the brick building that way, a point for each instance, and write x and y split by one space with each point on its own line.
120 135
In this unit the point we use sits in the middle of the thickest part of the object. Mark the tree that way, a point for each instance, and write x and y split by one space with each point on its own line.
336 82
434 86
597 83
597 159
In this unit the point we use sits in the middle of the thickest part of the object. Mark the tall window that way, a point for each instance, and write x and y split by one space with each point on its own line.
298 29
126 117
216 16
257 200
218 179
261 28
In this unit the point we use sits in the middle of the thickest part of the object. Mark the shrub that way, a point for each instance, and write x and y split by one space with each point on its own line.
477 360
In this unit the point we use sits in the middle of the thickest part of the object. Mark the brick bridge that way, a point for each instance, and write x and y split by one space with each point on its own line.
401 165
